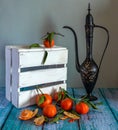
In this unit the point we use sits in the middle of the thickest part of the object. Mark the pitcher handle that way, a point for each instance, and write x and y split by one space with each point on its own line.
97 26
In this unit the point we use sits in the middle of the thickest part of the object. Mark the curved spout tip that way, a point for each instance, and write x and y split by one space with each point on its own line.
66 27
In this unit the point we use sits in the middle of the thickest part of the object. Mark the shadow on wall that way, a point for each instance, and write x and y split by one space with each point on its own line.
109 69
48 25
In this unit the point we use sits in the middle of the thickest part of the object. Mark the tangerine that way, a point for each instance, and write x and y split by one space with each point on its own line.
57 96
67 104
48 44
50 110
82 108
47 100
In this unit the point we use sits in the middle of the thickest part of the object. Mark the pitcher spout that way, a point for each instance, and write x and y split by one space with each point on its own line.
76 48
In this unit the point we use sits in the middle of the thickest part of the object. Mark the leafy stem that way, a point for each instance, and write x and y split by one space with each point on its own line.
84 99
42 98
36 45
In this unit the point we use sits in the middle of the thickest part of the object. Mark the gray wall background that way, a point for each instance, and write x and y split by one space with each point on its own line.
25 21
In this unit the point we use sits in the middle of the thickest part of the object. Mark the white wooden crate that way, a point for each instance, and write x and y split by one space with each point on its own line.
24 71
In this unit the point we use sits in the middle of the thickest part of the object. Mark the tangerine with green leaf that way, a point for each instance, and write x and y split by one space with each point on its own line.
58 96
48 39
43 99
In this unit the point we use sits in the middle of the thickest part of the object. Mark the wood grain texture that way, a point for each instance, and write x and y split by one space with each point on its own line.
36 77
59 56
111 97
8 70
5 107
13 123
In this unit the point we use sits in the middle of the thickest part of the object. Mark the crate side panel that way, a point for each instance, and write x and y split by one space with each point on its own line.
27 98
36 77
15 76
8 72
34 58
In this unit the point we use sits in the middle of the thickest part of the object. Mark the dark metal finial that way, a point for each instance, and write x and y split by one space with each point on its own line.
89 8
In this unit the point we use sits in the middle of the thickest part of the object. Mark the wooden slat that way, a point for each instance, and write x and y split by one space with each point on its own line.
111 97
97 120
8 71
5 107
15 76
34 58
62 125
35 77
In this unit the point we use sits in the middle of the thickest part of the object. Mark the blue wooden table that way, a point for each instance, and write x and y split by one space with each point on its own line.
104 119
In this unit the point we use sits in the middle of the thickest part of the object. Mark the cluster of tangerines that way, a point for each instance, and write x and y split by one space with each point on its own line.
65 102
60 105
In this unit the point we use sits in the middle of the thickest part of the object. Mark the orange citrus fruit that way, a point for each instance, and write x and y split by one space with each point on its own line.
48 44
50 110
56 96
82 108
47 100
67 104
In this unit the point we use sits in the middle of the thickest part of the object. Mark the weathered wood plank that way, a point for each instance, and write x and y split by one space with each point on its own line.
36 57
62 125
26 55
8 70
97 120
111 97
5 107
13 123
31 78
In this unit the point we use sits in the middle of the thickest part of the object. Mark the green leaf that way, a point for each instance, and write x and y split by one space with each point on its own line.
99 103
34 45
60 111
46 119
91 105
59 96
74 112
68 95
50 37
58 34
56 118
41 100
44 57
